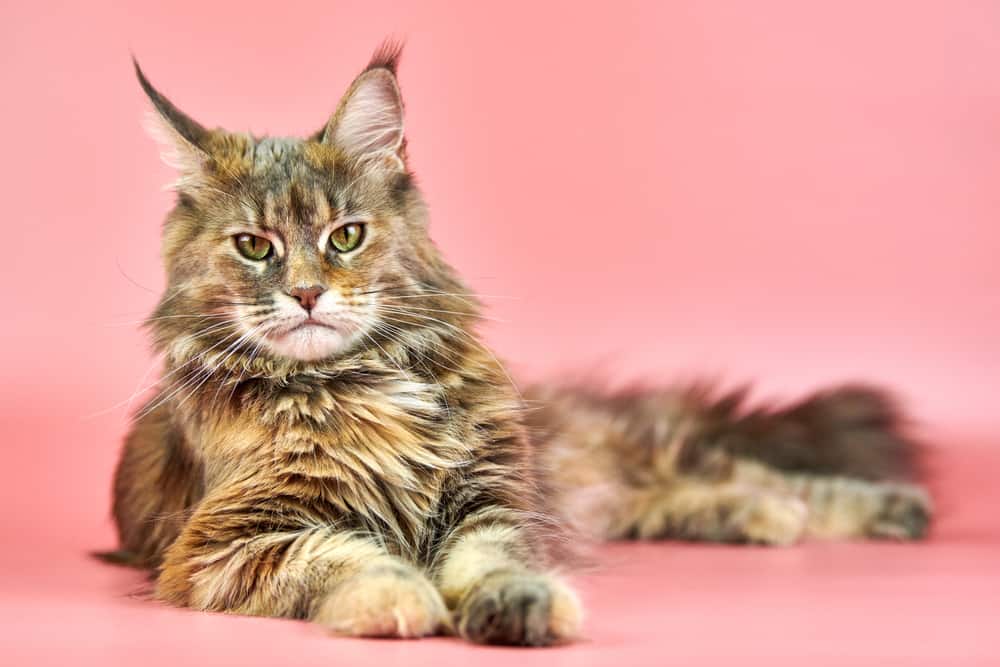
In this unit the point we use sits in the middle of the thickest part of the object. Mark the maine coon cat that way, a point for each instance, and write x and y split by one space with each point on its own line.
331 441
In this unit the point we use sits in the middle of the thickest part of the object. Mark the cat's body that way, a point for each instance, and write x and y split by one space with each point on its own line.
332 441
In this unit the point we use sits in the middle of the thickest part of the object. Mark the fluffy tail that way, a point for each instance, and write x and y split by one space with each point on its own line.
853 431
690 463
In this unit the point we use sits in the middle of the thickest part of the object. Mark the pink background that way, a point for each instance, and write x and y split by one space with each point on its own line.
784 191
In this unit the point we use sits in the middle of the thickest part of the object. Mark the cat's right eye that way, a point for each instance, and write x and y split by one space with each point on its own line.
253 247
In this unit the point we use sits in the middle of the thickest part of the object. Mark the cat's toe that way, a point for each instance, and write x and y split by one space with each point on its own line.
905 513
384 602
519 609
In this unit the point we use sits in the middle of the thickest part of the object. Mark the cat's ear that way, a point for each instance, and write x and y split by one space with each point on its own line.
185 142
368 123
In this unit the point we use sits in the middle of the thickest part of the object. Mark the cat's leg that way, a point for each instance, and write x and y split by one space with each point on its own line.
156 484
242 553
680 464
770 507
711 511
844 507
488 575
762 505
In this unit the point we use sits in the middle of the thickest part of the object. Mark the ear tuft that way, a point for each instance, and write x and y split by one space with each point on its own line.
368 123
185 141
387 56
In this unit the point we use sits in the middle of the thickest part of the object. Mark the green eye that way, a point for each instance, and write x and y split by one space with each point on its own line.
347 237
253 247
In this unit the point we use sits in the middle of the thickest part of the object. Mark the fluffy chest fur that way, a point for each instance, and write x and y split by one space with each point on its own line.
369 452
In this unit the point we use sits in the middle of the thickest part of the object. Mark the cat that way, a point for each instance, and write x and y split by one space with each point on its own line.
330 440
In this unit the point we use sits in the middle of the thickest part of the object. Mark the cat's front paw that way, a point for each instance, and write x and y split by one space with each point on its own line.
386 601
519 608
904 512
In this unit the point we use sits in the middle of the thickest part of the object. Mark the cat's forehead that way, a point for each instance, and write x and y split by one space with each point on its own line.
291 182
276 153
280 162
286 183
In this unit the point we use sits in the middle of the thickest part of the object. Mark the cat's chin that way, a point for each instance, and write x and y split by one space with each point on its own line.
309 342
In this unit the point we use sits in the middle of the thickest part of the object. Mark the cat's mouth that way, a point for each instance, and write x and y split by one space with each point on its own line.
307 325
310 339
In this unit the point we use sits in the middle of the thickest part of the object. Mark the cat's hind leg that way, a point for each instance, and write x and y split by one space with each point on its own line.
680 464
845 508
699 510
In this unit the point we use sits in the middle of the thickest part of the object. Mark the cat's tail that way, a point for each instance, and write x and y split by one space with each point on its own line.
853 430
693 463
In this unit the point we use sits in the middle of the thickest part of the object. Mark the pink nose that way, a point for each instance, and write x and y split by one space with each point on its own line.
307 296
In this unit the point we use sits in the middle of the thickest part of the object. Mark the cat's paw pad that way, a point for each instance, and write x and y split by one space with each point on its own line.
904 513
388 601
771 519
519 609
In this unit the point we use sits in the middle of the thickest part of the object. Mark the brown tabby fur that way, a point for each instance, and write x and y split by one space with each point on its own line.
402 487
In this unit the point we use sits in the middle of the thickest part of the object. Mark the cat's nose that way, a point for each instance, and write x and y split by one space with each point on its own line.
307 296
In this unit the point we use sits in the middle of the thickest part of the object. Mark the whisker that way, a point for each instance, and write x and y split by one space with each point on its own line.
432 293
396 334
129 278
142 380
160 380
254 352
219 302
403 309
430 374
166 317
476 342
232 350
195 374
387 355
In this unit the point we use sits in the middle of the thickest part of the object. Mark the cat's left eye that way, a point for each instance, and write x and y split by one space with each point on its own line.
253 247
347 237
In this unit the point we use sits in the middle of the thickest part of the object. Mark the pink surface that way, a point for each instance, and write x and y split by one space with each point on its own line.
784 191
934 603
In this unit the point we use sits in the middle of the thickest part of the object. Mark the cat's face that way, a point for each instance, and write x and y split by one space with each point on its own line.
297 249
304 253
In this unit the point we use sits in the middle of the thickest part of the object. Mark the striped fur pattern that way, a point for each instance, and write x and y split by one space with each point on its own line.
376 471
681 463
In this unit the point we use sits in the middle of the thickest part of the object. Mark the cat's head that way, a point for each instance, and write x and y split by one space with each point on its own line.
299 249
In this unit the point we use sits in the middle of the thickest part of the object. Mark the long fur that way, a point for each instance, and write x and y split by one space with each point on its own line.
400 486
